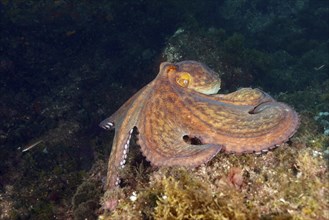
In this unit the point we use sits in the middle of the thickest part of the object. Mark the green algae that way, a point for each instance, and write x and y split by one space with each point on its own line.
187 197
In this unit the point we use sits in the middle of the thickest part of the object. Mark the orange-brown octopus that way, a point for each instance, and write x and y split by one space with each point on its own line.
182 121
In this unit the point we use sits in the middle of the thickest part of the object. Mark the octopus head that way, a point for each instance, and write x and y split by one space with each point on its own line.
192 75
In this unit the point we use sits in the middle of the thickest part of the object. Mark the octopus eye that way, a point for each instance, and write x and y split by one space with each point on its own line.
184 79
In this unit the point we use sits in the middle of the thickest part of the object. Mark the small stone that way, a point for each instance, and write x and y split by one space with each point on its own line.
133 197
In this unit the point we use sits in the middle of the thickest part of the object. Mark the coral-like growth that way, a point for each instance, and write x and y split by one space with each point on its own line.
185 196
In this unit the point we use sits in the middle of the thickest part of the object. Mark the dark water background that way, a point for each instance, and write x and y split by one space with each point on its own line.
66 65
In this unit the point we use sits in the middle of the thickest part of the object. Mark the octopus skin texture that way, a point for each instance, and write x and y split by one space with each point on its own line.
182 121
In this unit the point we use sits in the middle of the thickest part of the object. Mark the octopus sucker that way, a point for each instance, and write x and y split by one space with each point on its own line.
107 125
180 120
125 150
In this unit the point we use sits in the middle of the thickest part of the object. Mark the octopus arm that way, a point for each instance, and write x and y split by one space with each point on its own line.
244 128
118 155
243 96
110 122
178 154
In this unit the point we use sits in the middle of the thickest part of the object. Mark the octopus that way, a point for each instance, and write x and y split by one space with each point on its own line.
182 121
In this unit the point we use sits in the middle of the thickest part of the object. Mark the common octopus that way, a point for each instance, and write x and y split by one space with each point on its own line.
181 120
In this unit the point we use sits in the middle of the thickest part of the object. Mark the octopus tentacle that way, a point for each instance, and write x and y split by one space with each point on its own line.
188 155
125 120
107 124
126 150
118 158
243 96
244 128
118 116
